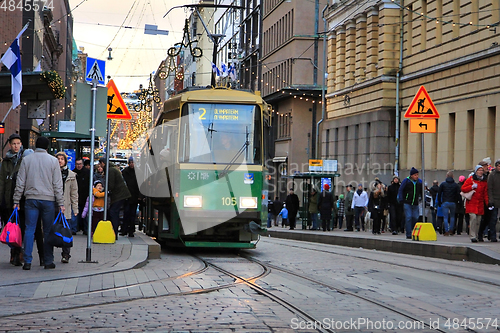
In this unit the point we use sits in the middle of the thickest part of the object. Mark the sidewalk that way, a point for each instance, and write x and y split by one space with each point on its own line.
446 247
127 253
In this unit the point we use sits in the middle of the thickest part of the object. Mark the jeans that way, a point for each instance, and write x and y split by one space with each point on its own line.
269 219
411 217
114 214
314 219
448 213
340 220
34 208
358 217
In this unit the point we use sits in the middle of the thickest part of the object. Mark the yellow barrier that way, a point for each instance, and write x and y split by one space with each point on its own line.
424 232
104 233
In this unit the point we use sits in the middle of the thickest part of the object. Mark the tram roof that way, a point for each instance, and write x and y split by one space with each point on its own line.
308 175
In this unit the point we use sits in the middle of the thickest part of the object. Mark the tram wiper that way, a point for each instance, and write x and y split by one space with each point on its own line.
234 159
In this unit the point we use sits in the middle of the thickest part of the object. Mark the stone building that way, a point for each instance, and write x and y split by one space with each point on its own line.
450 47
291 60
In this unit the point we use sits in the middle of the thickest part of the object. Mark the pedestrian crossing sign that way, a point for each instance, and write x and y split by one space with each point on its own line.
95 70
116 108
422 106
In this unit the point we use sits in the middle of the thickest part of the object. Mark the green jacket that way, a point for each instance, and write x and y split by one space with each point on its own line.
10 165
116 186
348 203
313 203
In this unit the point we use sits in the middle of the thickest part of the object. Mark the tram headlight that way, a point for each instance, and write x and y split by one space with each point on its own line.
248 202
192 201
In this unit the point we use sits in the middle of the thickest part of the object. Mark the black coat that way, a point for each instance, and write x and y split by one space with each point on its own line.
449 191
376 206
131 180
292 204
325 205
392 194
83 181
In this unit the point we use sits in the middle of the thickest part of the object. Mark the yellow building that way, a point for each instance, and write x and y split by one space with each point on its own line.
450 47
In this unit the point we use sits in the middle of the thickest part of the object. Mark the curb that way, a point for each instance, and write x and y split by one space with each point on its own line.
471 253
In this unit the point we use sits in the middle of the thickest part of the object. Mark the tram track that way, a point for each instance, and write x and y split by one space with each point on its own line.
330 251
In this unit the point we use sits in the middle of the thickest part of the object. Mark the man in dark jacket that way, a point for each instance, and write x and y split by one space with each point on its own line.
448 197
494 199
395 208
325 206
118 192
292 204
130 206
409 194
83 181
8 170
349 212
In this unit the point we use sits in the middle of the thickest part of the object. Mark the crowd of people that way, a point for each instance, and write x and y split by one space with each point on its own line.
470 205
40 186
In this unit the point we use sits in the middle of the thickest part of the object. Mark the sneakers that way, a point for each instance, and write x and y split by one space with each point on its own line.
65 260
50 266
26 266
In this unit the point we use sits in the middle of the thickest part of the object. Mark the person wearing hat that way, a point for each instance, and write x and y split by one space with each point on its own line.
325 205
340 210
448 197
130 206
396 221
485 219
118 192
292 204
494 199
410 192
10 166
359 205
97 205
83 180
460 211
349 212
478 185
40 180
70 193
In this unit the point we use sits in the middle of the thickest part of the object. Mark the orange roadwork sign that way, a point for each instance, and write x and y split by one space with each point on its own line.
116 108
422 106
422 125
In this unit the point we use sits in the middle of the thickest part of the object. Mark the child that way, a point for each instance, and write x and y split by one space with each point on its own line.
341 210
98 205
284 216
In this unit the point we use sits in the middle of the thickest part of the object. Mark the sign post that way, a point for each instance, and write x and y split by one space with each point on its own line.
95 75
422 114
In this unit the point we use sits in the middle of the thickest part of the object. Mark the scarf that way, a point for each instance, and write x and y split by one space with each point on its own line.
64 174
359 192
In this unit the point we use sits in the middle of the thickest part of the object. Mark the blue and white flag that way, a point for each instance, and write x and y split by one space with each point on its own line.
12 60
232 72
215 70
224 70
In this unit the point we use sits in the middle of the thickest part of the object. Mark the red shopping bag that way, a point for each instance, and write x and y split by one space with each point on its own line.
11 233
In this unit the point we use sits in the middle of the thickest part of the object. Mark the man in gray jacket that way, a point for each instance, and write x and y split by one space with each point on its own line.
40 180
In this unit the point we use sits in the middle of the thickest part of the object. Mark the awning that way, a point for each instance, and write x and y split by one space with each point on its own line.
34 88
280 159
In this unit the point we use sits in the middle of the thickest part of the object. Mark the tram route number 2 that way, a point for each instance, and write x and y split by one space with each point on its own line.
228 201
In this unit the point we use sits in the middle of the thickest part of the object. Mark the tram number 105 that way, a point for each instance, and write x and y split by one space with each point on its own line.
228 201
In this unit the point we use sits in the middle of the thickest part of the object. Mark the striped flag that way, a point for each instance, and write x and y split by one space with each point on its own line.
12 60
215 70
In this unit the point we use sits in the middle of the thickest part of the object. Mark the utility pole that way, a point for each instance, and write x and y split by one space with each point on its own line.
315 79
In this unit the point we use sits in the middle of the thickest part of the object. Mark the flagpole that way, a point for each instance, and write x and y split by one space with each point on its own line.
10 109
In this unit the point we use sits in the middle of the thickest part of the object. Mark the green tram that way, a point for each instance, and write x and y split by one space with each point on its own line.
202 169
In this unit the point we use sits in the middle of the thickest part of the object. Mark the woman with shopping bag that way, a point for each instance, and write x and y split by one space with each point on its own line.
478 200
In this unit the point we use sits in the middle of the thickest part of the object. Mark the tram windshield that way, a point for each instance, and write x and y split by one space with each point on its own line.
220 133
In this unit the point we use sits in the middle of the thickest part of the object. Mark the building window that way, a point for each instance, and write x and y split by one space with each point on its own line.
284 125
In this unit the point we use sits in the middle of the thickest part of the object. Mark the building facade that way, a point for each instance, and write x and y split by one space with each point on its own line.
379 54
291 81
